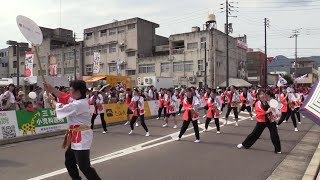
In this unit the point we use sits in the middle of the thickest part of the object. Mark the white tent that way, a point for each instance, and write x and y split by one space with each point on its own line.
236 82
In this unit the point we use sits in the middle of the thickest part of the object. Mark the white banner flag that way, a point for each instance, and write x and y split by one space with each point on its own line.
29 64
118 64
96 62
298 79
281 81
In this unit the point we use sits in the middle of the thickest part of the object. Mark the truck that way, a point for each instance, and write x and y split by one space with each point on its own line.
157 82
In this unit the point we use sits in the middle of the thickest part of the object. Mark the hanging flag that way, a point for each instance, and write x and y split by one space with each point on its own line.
96 63
311 106
52 61
281 81
298 79
29 64
270 59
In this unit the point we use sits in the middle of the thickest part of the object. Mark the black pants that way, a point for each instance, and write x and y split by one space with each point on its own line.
160 111
223 105
216 121
257 131
235 111
296 112
82 158
185 126
143 124
103 122
180 108
284 115
289 113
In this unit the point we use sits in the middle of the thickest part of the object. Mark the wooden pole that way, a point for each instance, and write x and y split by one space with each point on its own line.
39 63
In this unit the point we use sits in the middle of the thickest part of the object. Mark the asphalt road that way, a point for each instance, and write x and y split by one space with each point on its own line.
119 156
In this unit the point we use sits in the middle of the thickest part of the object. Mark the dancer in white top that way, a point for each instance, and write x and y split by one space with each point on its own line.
171 107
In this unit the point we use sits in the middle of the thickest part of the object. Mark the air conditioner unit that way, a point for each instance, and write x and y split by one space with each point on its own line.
192 79
72 78
69 78
199 73
148 81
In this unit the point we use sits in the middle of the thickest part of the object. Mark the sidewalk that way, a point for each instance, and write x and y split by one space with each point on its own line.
294 166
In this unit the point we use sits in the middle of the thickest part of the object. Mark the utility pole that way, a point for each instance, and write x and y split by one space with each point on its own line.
205 65
266 24
229 9
295 35
75 57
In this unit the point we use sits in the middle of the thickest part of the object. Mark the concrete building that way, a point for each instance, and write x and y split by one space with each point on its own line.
305 66
186 54
12 63
58 45
124 40
255 67
4 60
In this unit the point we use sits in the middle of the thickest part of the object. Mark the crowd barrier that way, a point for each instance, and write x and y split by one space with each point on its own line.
22 123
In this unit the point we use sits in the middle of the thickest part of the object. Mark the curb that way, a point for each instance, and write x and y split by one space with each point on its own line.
55 133
313 169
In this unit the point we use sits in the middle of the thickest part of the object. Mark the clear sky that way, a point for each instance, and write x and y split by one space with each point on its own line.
178 16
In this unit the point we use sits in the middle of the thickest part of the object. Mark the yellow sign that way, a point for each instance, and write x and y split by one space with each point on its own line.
118 112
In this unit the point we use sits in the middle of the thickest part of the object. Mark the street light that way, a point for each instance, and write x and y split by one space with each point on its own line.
17 45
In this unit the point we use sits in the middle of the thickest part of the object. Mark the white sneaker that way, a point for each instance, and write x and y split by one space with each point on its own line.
226 122
299 122
218 132
285 121
234 118
223 117
251 118
157 117
148 134
296 129
303 116
165 125
197 141
205 130
137 124
277 125
130 132
204 116
199 122
175 127
239 146
179 114
104 132
237 124
278 152
126 123
178 139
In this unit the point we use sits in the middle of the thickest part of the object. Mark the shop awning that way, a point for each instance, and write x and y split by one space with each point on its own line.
94 79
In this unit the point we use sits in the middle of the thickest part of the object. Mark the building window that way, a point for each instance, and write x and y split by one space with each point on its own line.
131 54
88 51
188 66
203 39
59 71
146 68
177 66
165 67
43 72
103 33
43 59
121 30
4 64
131 72
112 67
89 68
112 31
200 65
112 48
122 48
69 70
88 35
104 49
192 45
131 26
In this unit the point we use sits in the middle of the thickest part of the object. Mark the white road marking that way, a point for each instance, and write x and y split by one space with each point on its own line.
133 149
